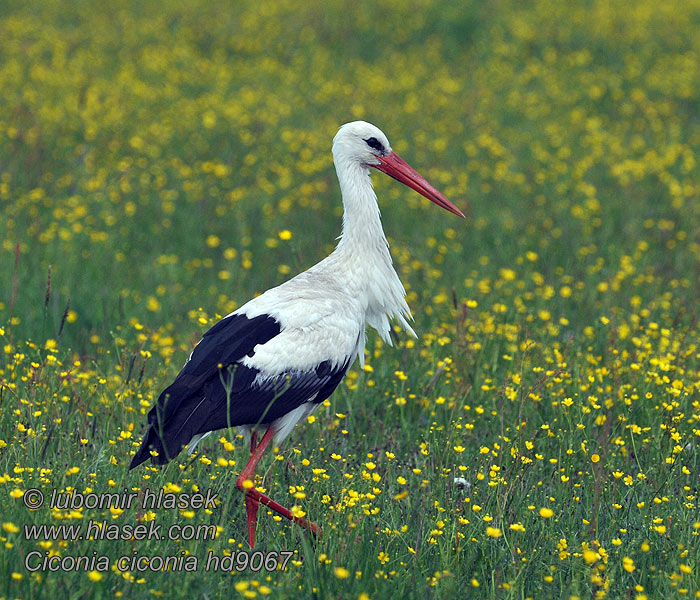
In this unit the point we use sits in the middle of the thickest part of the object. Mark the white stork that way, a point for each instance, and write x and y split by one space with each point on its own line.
269 364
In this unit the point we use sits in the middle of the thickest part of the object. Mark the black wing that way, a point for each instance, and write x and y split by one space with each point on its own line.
214 390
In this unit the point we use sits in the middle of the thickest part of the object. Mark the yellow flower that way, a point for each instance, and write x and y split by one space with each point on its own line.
341 573
152 304
493 532
285 234
297 512
546 513
95 576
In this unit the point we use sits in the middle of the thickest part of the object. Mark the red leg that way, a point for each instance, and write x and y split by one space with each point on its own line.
251 504
248 473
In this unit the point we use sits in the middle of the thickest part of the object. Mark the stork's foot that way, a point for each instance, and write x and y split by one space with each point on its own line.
254 498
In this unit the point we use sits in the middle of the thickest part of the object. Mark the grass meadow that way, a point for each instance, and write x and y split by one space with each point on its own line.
161 163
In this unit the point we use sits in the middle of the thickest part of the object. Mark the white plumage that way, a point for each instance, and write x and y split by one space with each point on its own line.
324 310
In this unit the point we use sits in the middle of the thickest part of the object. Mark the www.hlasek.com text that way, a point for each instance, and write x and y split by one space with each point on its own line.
106 530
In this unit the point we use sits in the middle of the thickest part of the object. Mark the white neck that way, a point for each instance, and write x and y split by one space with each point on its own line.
362 225
363 251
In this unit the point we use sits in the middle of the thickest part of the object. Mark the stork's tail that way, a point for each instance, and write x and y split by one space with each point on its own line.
151 441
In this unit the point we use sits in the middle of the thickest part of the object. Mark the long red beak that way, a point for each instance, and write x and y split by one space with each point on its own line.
394 166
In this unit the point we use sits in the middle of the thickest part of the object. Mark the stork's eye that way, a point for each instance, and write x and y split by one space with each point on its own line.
374 143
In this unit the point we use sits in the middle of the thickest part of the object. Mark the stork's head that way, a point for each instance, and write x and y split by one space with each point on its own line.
362 143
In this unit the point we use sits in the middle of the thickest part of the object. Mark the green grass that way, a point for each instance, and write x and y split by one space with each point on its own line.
151 155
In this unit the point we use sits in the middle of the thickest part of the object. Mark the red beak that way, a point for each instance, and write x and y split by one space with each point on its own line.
394 166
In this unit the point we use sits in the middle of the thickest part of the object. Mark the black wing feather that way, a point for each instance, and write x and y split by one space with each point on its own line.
198 400
250 403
